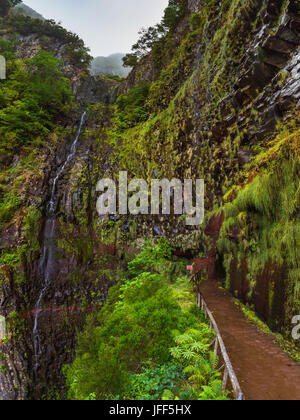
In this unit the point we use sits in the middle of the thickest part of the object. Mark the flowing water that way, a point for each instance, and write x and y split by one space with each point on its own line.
47 262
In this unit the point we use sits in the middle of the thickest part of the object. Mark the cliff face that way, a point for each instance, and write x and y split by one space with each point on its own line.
226 108
84 265
222 104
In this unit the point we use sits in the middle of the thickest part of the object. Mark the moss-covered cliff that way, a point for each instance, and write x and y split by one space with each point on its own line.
225 108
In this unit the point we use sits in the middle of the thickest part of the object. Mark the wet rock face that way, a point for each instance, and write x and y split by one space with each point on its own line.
265 89
194 6
257 87
208 265
79 286
13 364
97 89
270 306
145 72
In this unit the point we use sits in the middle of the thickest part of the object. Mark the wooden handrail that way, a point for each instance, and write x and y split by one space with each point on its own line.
219 343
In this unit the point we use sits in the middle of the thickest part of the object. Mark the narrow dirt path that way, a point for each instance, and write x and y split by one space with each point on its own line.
264 371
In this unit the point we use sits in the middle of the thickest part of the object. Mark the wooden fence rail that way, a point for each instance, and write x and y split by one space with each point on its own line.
219 348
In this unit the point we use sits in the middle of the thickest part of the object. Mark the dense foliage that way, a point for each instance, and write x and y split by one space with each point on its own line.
265 215
137 350
130 108
32 98
6 5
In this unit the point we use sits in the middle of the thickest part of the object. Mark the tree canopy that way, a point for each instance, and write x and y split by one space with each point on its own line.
32 98
6 5
152 35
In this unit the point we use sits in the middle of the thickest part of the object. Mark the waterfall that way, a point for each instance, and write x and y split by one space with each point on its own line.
47 261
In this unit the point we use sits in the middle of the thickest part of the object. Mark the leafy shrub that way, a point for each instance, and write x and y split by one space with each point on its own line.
34 96
130 110
213 392
8 205
136 326
7 48
200 364
151 257
130 107
173 13
10 259
196 20
139 327
130 60
152 382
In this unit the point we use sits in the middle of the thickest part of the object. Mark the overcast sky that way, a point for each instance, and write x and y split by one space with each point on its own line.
106 26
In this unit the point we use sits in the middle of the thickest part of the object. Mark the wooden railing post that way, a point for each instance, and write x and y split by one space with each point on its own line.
216 347
225 380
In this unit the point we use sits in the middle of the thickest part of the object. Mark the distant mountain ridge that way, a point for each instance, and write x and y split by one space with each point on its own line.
22 9
112 64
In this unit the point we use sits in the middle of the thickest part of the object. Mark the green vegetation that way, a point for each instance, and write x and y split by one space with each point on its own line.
172 78
35 95
145 344
9 203
149 340
35 102
77 52
152 382
7 5
130 109
196 20
150 38
265 214
260 237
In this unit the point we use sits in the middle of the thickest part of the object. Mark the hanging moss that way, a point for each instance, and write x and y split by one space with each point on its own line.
262 229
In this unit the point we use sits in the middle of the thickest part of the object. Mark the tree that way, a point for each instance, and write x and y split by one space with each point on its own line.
173 13
14 3
6 5
154 34
130 60
34 97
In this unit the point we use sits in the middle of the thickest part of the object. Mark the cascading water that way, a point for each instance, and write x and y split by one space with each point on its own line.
47 261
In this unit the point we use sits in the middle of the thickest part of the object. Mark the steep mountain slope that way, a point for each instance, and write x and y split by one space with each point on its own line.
47 67
227 109
111 65
23 9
